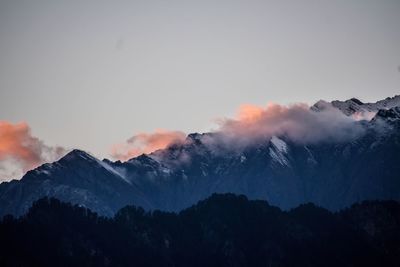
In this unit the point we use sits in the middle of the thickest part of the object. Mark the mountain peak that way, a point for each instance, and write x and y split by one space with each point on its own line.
355 100
198 137
388 114
78 154
194 138
355 106
320 105
142 157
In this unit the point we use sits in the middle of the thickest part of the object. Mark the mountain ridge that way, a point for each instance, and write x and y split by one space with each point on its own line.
333 175
354 105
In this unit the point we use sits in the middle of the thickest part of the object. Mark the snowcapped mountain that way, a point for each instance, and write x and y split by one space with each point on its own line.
78 178
354 107
330 174
387 115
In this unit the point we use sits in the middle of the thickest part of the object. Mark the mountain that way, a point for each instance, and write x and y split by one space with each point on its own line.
78 178
223 230
355 106
332 174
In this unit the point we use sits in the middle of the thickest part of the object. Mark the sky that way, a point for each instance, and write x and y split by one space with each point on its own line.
92 74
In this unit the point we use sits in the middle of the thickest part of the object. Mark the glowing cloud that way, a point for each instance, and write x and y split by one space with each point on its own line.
20 151
297 122
254 124
363 115
146 143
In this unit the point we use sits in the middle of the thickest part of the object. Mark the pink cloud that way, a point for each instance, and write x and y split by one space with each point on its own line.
146 143
17 145
297 122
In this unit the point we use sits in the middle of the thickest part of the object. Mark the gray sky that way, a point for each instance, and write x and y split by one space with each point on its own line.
89 74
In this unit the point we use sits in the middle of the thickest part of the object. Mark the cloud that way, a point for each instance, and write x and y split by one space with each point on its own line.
20 151
364 115
146 143
254 124
296 122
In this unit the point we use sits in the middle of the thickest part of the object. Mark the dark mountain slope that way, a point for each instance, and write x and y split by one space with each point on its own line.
78 178
331 174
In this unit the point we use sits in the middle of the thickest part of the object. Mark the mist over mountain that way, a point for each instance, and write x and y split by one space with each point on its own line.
332 154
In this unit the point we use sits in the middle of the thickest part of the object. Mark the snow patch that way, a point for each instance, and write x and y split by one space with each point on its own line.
118 173
184 176
278 157
40 171
166 170
278 151
279 144
311 158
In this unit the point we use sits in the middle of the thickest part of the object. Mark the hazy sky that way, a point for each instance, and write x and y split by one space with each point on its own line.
89 74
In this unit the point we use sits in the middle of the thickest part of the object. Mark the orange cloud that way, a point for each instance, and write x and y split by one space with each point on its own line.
146 143
16 142
254 125
249 112
19 146
297 122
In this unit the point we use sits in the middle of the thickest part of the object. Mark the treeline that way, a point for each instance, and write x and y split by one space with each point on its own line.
223 230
